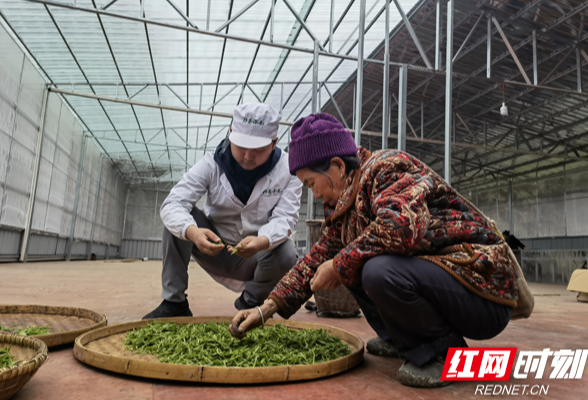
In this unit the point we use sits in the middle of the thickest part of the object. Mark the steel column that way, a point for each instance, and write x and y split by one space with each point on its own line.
535 71
448 90
510 212
33 194
489 48
272 12
359 87
422 120
96 198
386 88
76 200
402 83
111 218
309 215
438 37
579 69
332 17
315 71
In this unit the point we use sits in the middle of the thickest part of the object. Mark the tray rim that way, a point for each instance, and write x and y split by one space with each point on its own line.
58 338
207 374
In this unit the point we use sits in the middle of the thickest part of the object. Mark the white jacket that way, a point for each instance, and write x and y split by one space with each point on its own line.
272 209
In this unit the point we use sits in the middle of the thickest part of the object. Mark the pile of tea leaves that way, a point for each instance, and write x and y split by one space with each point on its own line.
211 344
6 360
33 330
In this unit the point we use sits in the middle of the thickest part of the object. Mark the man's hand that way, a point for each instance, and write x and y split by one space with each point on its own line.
249 246
245 320
206 240
325 278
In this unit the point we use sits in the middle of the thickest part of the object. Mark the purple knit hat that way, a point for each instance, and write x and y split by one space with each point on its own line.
316 138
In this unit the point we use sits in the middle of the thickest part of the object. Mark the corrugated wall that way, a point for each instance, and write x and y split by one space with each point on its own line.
141 249
21 97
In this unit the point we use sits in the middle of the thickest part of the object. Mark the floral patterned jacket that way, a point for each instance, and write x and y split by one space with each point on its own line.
395 204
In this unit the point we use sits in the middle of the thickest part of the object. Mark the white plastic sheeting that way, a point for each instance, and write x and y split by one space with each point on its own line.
142 219
548 206
21 96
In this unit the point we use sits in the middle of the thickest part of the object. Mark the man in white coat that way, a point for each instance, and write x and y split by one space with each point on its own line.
251 209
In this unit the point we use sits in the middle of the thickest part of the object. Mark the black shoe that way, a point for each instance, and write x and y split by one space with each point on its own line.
310 306
242 304
380 347
169 309
427 376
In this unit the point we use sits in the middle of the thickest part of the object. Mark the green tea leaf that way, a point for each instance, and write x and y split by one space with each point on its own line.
211 344
33 330
6 360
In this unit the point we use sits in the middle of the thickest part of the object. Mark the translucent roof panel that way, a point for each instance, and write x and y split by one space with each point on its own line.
113 53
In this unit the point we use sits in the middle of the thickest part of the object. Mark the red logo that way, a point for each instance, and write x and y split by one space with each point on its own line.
478 364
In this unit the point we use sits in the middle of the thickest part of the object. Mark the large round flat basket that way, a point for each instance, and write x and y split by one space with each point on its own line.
65 323
29 353
103 348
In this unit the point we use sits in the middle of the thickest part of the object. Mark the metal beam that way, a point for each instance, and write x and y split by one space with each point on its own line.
237 15
107 5
208 33
468 37
550 88
492 149
535 68
96 198
402 100
272 12
33 193
489 47
359 75
315 72
510 211
511 50
112 218
438 23
331 20
301 22
413 35
336 107
81 70
74 214
448 91
467 101
386 80
118 71
467 127
579 69
171 3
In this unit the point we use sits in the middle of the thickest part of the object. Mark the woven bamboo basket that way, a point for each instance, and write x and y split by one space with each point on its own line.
31 353
339 302
65 323
103 348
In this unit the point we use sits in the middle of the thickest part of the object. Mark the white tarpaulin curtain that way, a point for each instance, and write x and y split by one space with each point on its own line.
21 97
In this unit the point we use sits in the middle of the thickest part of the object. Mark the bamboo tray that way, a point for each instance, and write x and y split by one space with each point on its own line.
31 353
103 348
65 323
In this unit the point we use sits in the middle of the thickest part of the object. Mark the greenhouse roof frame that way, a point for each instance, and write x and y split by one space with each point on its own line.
554 102
65 16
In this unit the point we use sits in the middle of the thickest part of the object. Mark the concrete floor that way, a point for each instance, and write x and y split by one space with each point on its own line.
127 291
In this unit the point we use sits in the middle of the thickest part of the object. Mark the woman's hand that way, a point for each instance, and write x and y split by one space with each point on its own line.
245 320
325 278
